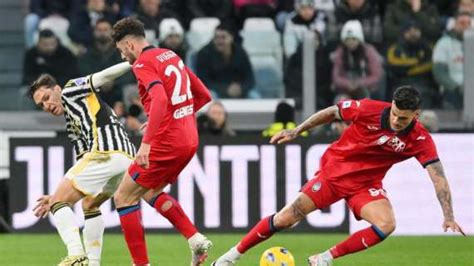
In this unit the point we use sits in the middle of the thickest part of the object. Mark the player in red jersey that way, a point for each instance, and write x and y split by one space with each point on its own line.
380 135
170 93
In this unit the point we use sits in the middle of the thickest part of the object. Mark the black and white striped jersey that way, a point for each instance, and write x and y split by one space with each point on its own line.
91 124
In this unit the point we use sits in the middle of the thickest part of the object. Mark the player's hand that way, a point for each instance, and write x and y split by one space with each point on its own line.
451 224
143 127
142 155
41 209
284 136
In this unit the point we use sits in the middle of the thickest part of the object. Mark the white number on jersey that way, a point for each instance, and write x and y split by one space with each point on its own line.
177 98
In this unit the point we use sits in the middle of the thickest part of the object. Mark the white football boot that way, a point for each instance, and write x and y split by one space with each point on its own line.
200 247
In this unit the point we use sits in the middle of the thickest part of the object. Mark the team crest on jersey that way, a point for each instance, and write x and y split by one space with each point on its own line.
316 187
397 144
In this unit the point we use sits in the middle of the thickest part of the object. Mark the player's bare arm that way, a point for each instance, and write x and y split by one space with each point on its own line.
436 172
322 117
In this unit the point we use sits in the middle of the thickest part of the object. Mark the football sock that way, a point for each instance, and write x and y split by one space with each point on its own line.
93 234
259 233
232 255
68 230
131 221
171 210
358 241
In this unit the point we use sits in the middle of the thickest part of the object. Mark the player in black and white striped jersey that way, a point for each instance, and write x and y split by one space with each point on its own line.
103 152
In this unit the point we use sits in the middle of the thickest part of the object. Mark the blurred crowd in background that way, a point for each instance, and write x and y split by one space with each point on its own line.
363 48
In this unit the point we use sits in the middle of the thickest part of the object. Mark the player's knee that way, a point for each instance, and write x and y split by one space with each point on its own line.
282 220
120 200
386 225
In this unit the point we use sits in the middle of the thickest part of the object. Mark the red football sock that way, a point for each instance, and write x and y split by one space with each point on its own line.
131 221
171 210
262 231
358 241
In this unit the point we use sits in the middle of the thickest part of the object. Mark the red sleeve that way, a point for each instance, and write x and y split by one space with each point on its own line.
200 92
427 153
149 78
158 107
349 110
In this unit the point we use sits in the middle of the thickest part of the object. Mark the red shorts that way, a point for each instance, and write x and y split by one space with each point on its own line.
164 167
323 194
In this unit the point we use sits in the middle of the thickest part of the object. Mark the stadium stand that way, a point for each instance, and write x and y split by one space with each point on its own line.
200 33
262 42
11 53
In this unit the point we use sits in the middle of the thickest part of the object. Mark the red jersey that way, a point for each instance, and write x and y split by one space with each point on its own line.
368 148
170 94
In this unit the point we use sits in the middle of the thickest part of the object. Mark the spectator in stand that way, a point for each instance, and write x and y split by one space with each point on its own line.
357 69
448 62
40 9
366 13
49 56
429 120
151 13
81 30
294 75
215 122
284 9
409 63
221 9
284 119
306 18
172 37
102 55
224 66
421 11
446 8
465 6
254 8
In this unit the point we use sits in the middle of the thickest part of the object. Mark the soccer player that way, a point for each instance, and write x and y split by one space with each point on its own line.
380 135
103 153
170 93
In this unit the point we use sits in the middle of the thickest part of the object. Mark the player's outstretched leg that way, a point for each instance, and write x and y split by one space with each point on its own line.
65 221
170 208
127 202
285 218
379 213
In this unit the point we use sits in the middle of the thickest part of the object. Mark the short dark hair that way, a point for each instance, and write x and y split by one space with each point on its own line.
127 26
43 80
407 98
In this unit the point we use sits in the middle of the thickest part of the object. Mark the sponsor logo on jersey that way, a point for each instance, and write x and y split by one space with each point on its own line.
316 187
139 65
396 144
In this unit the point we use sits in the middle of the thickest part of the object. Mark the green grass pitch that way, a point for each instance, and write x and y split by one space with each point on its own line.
172 250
